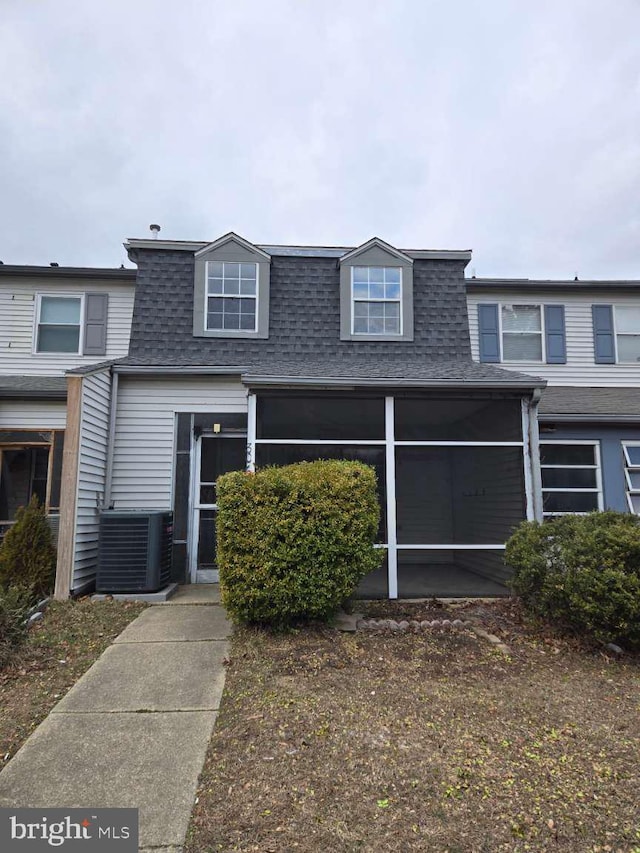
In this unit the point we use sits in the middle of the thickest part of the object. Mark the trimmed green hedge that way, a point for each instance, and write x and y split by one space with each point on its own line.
294 542
582 572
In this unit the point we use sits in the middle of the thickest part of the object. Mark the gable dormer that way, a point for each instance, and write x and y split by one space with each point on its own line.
376 293
231 290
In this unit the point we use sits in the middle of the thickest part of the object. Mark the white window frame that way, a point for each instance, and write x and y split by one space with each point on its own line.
617 307
400 331
208 295
597 467
630 467
543 348
36 325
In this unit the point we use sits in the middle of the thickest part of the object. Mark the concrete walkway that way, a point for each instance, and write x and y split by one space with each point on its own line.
133 732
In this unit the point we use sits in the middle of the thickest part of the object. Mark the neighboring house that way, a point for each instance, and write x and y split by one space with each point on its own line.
583 337
52 319
244 356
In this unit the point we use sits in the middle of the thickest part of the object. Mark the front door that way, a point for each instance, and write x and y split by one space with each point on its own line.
215 455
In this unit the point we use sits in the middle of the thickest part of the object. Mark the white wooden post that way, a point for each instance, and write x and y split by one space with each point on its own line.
390 451
526 455
251 432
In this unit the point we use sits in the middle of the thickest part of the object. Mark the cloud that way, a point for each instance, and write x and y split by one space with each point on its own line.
491 125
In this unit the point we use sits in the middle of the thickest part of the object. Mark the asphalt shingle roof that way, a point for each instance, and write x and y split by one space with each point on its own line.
395 371
304 326
613 403
549 284
33 386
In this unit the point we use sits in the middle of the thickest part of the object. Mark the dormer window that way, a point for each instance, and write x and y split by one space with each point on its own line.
377 300
232 296
376 294
231 290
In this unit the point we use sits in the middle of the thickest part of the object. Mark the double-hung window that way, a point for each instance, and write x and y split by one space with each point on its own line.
376 296
571 480
628 333
522 333
631 450
232 296
59 324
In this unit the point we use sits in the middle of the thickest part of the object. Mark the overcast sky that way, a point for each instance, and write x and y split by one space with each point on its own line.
507 127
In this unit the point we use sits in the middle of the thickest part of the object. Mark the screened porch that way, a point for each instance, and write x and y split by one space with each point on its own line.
452 469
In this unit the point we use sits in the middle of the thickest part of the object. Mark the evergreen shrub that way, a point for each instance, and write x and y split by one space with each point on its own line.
14 611
582 572
293 542
27 553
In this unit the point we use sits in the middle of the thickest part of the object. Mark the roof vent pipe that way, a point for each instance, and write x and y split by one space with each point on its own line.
155 230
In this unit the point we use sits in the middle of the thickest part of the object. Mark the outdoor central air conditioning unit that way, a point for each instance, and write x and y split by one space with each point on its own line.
134 550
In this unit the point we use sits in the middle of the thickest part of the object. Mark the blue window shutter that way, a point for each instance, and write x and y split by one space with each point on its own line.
603 343
555 334
488 333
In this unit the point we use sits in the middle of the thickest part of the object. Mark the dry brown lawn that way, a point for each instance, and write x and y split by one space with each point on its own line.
422 742
58 650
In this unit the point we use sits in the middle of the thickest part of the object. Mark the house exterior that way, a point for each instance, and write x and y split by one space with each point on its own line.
53 319
583 337
246 355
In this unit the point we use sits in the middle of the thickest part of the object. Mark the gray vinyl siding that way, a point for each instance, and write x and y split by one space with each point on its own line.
145 429
94 429
33 414
18 309
580 367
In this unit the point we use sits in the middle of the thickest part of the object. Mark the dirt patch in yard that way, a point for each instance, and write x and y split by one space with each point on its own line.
58 650
422 742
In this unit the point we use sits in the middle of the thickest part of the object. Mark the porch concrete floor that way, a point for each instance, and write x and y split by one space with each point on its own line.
116 740
442 580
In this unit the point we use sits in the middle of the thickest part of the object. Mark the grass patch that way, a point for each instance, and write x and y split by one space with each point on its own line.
420 742
58 650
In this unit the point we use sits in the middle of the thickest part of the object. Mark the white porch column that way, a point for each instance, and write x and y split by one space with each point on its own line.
392 544
534 445
526 454
251 432
531 452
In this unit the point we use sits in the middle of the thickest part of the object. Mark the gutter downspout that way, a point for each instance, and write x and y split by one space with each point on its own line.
113 411
534 450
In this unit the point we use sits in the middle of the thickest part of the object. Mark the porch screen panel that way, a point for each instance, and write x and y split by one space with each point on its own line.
427 419
207 539
23 474
219 457
458 495
376 584
56 470
320 418
287 454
